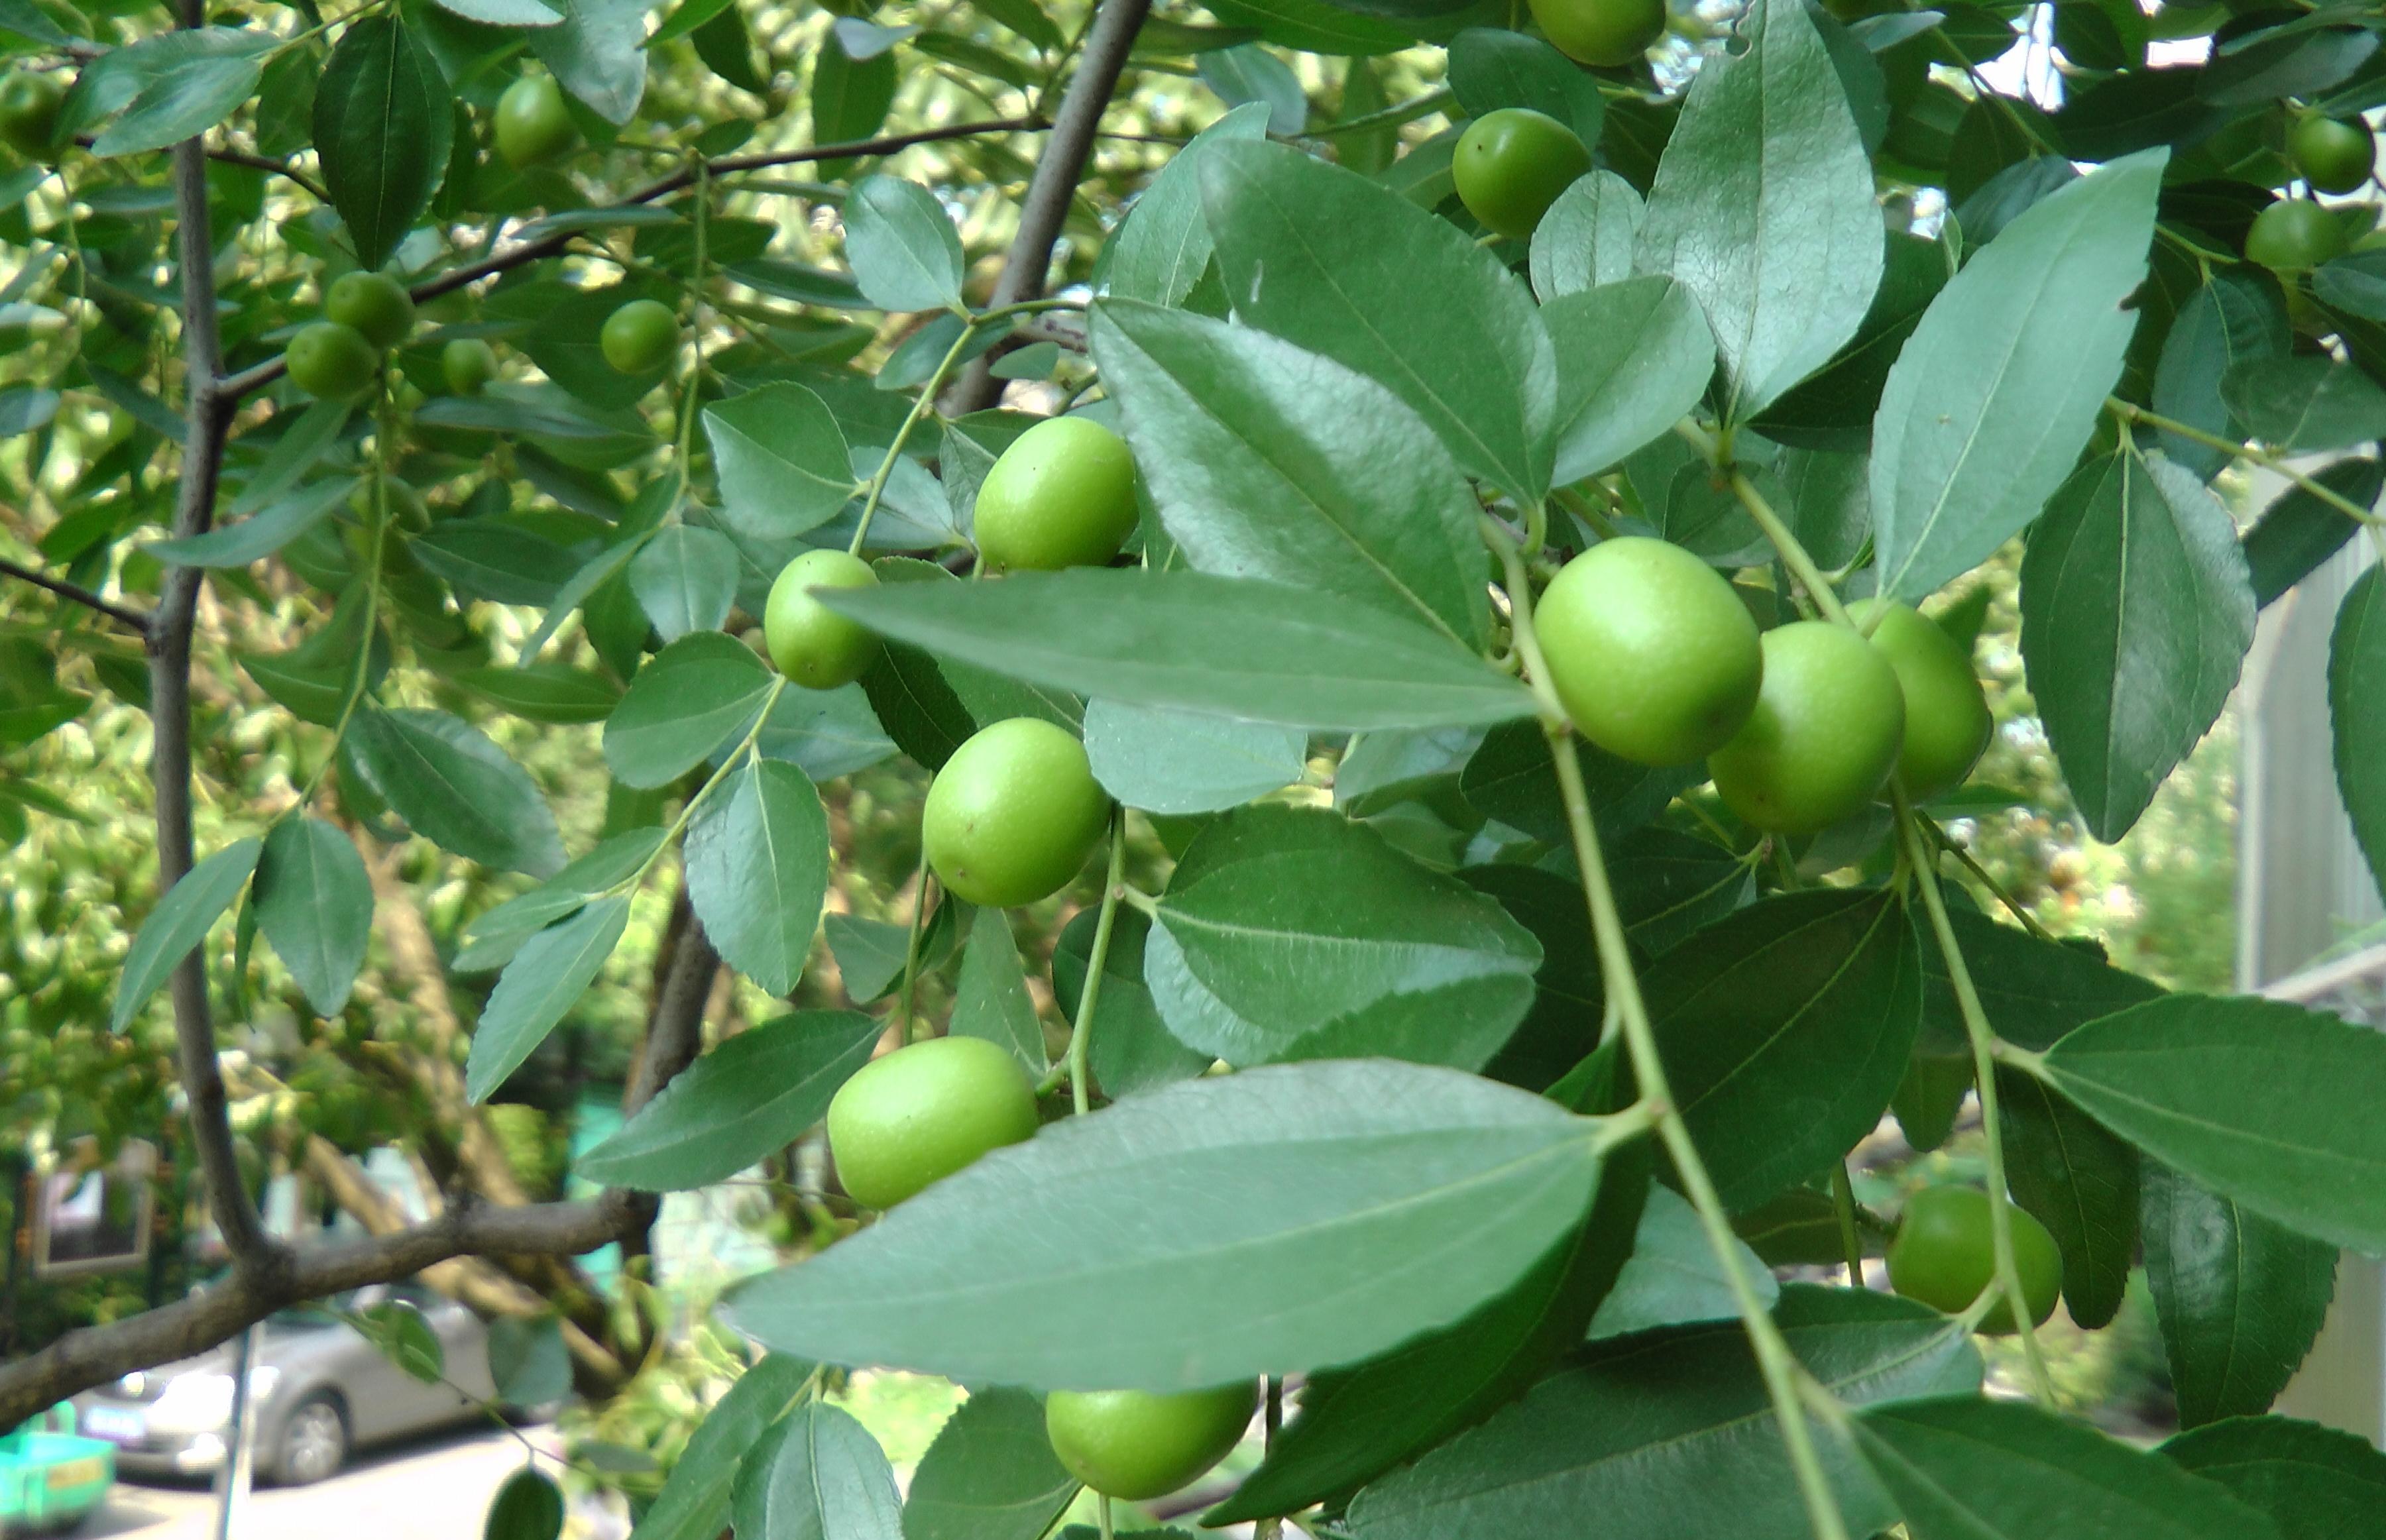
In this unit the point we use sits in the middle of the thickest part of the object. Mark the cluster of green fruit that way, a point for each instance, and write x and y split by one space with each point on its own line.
2332 154
1657 660
365 315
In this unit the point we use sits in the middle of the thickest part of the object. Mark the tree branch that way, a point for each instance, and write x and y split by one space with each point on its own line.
267 163
1055 182
80 595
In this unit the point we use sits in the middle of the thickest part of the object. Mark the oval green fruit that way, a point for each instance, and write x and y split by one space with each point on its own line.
1138 1445
1610 34
467 365
811 644
533 126
919 1114
330 361
29 113
1944 1255
1061 495
640 337
2335 155
1510 164
1015 813
1947 721
1827 731
375 304
1651 652
2292 234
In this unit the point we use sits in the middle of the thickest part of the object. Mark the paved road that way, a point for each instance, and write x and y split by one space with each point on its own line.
430 1489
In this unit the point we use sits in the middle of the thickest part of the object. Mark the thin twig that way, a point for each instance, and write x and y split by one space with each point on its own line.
80 595
279 169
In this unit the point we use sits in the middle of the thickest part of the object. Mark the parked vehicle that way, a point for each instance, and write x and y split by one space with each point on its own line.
322 1392
50 1477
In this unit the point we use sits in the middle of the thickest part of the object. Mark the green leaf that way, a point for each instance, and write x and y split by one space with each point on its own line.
781 460
2137 611
1511 777
483 559
1784 1029
904 251
1166 762
1672 1434
1671 1277
1280 920
255 538
503 13
745 1100
457 789
546 979
1201 642
2233 318
553 693
990 999
27 20
528 1507
304 439
1318 1213
1633 359
2298 530
178 924
1963 1468
315 903
1132 1051
517 920
694 1502
869 954
2305 403
1491 68
686 579
599 54
849 98
825 733
529 1361
2356 665
1243 74
1668 884
172 85
1161 249
758 869
381 129
2240 1298
1587 237
2000 383
2314 1482
1267 461
1763 208
1313 26
400 1333
990 1474
1323 258
929 706
826 1479
1834 408
2079 1181
687 700
2033 990
2299 1143
1569 996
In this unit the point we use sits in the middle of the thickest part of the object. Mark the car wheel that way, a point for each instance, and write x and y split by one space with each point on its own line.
314 1443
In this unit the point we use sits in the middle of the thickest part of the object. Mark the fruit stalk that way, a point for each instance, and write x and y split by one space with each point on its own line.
2133 413
1080 1035
1843 1201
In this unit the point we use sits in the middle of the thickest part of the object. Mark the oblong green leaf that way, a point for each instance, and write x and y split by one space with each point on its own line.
1587 236
382 125
758 869
546 979
1187 762
2299 531
180 922
2305 403
259 536
1161 249
695 1501
528 1507
2234 317
1319 1213
457 789
1132 1050
2356 675
2314 1482
686 579
990 998
687 700
991 1474
315 903
1229 646
826 1479
173 86
1672 1278
752 1097
1633 359
2079 1181
781 460
904 251
2240 1298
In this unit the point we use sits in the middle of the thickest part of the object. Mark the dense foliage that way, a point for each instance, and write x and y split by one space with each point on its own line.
1488 581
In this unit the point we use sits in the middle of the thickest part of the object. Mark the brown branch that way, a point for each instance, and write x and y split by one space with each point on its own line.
80 595
267 163
1029 261
257 376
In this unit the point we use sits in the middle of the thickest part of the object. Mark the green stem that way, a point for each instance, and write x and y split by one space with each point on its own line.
2129 412
687 812
1843 1199
1793 555
384 435
1081 1034
1399 112
1780 1369
1980 874
877 489
1976 1027
911 947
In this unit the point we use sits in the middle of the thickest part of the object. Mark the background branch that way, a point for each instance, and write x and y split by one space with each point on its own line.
80 595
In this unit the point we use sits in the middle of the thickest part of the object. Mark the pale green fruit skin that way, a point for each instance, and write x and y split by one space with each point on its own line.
2293 234
2335 156
1611 34
1827 731
331 361
1015 813
1948 724
467 365
811 644
1138 1445
375 304
1945 1254
1061 495
919 1114
1652 654
1510 164
533 126
640 337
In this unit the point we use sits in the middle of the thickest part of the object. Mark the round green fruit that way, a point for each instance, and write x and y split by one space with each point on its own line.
330 361
375 304
2333 154
640 337
1611 34
1827 731
29 113
811 644
1013 814
1650 651
1138 1445
468 364
1947 721
1061 495
533 126
1510 164
1944 1255
921 1113
2292 234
